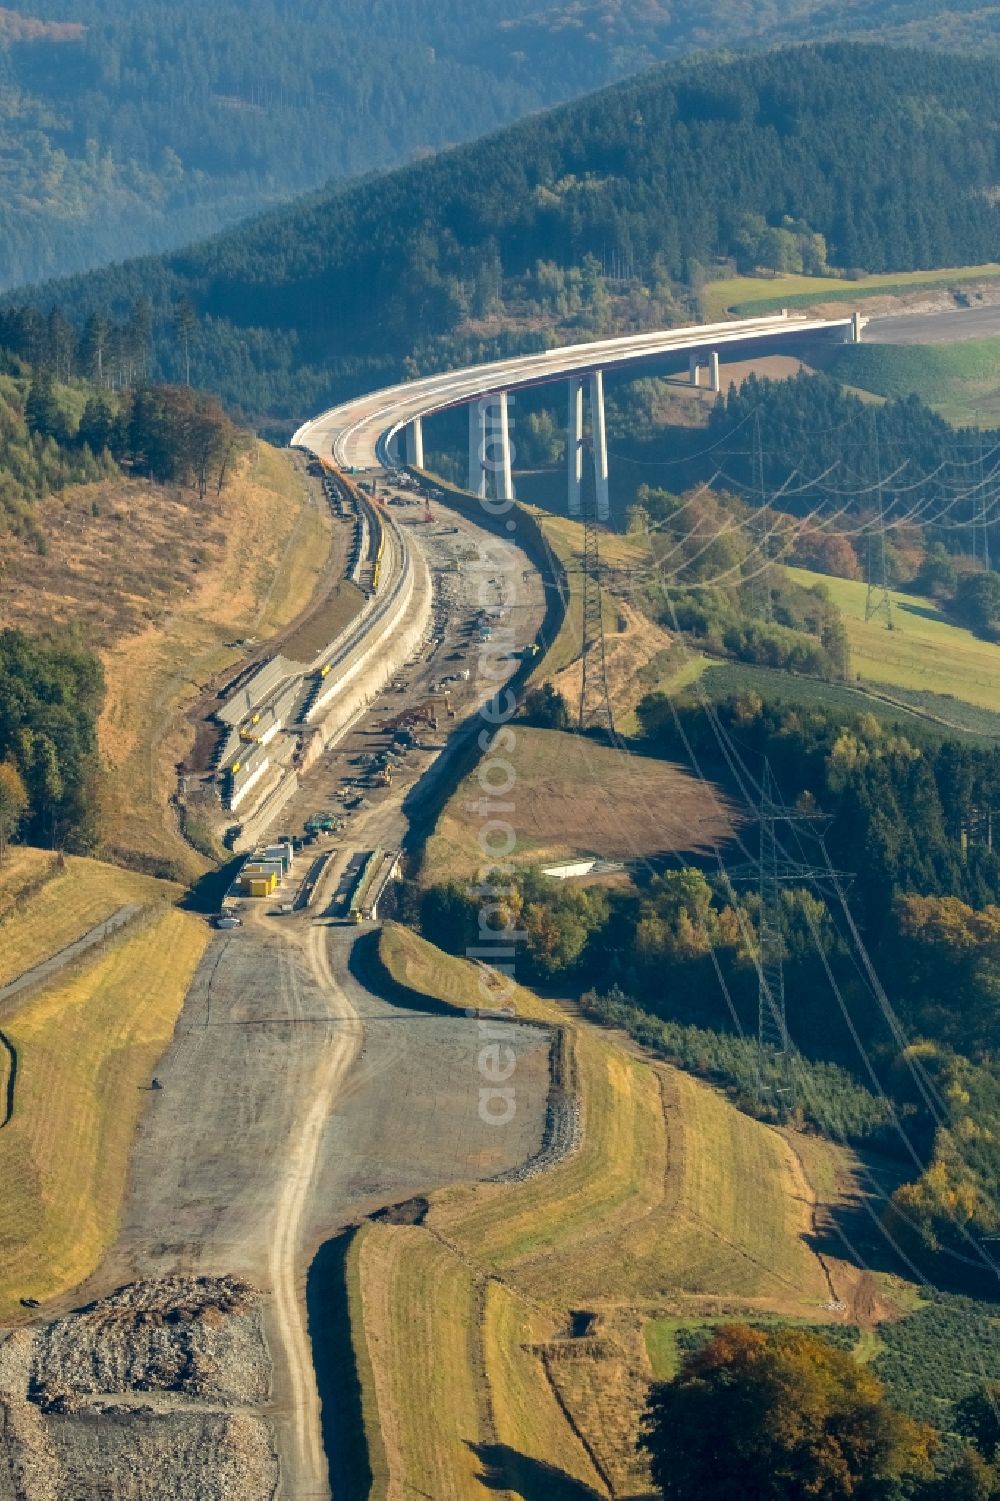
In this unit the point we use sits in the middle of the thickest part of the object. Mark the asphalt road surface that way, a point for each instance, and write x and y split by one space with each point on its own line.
947 327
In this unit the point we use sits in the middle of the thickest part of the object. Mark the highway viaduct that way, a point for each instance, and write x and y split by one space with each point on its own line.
361 433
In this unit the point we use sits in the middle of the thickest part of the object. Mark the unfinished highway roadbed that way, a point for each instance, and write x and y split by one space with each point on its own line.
299 1094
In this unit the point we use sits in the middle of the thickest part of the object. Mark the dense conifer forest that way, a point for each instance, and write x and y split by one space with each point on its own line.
523 236
136 127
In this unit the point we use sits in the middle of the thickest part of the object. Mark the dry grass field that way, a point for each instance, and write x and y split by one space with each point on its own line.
429 971
85 1048
529 1424
427 1402
673 1205
45 904
576 797
273 544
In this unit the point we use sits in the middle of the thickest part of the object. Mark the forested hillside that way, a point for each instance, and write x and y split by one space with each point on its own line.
843 155
136 127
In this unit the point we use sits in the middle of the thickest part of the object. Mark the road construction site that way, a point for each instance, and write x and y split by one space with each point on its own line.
294 1099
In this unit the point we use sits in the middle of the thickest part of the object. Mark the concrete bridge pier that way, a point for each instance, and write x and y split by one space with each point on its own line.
505 475
415 444
477 448
694 370
574 445
714 381
600 444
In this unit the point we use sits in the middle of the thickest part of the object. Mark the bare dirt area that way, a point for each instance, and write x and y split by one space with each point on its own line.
634 644
140 1397
325 623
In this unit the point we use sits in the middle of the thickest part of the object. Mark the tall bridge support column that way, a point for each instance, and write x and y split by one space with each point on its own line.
506 477
857 325
600 445
477 448
714 380
415 443
574 446
694 370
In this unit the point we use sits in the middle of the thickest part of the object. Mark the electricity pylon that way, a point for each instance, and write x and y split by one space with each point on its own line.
878 602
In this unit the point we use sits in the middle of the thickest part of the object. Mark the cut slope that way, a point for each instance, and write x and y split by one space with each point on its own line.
163 584
256 580
47 902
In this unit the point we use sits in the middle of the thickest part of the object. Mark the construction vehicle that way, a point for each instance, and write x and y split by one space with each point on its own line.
422 713
319 823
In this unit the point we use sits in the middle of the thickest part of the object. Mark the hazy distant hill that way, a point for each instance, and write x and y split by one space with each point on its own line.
570 222
135 125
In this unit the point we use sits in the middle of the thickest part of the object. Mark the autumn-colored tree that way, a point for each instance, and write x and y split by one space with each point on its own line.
826 552
778 1416
13 803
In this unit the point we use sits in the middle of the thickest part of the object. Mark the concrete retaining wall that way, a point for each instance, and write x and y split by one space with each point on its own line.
373 664
380 661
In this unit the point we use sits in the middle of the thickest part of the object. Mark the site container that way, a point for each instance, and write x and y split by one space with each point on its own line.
280 856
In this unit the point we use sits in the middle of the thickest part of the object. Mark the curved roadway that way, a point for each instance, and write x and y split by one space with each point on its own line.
356 433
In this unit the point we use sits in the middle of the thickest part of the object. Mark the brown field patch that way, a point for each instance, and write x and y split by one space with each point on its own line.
573 796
